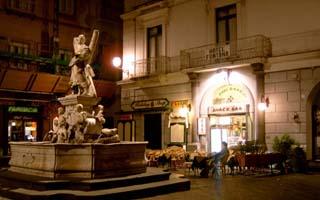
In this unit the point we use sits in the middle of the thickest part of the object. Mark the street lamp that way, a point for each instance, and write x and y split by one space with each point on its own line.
116 62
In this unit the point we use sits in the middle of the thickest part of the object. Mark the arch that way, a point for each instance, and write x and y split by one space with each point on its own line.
311 100
211 93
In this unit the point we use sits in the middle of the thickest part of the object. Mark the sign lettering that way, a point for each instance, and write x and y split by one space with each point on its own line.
150 104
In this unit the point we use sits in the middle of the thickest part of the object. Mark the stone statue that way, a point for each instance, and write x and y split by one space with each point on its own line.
60 131
76 124
81 71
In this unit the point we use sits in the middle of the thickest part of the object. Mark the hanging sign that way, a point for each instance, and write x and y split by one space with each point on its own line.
150 104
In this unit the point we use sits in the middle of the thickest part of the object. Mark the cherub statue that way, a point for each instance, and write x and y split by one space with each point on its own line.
77 124
60 131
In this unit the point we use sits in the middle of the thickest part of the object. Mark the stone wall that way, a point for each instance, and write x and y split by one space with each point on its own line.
288 92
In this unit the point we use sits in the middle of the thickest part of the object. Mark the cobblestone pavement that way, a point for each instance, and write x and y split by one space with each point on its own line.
290 186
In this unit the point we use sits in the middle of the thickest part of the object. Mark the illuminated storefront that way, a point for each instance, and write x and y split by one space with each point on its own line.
230 116
227 110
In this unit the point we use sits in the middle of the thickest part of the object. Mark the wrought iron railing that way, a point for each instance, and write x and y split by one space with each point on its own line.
239 50
32 57
151 66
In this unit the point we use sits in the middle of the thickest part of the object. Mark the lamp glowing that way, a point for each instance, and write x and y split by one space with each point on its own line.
264 103
116 61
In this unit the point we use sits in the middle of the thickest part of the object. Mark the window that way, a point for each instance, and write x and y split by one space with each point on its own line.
19 48
154 41
66 7
154 48
226 23
21 5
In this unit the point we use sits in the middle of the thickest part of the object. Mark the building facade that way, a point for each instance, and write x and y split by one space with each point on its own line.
36 45
198 72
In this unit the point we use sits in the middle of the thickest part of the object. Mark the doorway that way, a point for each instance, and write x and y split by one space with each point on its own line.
232 129
152 130
22 130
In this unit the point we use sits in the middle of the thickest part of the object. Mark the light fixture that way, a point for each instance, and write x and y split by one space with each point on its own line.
116 62
264 103
296 117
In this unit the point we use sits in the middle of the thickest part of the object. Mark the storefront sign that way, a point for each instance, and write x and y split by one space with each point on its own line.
202 126
150 104
227 108
126 117
179 104
229 99
21 109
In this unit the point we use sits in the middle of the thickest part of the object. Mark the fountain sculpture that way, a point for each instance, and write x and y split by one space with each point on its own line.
78 146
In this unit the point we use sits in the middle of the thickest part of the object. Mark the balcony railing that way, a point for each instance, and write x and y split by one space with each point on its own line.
238 51
31 56
151 66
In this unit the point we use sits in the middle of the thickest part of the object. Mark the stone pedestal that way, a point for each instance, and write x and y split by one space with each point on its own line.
64 161
71 100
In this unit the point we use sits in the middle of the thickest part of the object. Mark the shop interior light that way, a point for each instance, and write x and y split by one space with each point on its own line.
183 111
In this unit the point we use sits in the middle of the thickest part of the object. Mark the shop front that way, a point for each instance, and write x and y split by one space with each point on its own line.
229 114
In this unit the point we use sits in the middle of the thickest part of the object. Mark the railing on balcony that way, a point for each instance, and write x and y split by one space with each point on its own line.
31 56
151 66
241 50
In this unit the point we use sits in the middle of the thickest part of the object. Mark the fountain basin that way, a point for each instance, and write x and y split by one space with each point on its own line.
65 161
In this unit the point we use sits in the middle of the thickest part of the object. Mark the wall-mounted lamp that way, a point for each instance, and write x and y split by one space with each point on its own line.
264 103
296 117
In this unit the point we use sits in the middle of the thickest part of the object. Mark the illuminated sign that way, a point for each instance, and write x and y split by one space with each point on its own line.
22 109
150 104
230 98
202 126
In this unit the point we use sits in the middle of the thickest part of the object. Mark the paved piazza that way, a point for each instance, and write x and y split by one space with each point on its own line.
291 187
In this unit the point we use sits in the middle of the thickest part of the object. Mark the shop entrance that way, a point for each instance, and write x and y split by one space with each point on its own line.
231 129
22 130
152 130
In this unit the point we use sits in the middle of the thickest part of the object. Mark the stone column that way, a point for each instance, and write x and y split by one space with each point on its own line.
193 77
258 70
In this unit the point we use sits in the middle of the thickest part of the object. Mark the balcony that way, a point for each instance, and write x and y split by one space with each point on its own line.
253 49
151 66
32 56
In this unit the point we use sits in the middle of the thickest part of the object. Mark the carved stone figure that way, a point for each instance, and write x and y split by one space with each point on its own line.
81 71
76 124
61 131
